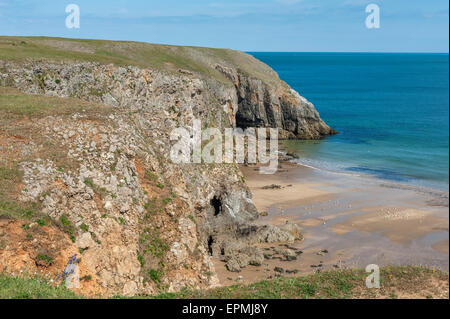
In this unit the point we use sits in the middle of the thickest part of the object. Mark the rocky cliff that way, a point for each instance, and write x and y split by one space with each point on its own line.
255 103
84 144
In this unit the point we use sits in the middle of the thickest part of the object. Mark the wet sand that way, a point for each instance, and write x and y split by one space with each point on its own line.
357 220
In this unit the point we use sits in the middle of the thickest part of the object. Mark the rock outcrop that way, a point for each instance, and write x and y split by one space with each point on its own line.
275 105
97 166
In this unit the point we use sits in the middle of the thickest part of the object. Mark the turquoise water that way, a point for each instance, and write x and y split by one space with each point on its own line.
392 112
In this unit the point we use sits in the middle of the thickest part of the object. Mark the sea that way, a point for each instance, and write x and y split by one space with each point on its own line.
391 111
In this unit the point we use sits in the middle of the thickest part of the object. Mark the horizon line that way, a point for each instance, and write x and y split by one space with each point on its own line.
246 51
366 52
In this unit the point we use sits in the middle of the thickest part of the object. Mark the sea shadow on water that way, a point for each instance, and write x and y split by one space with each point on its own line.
380 173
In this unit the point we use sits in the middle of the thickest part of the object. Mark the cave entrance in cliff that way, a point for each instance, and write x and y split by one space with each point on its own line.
241 122
210 243
216 203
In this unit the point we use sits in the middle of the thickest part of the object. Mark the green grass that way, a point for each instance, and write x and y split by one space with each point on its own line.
323 285
47 259
32 288
141 260
153 243
334 284
149 175
66 225
89 182
10 176
160 57
337 284
160 186
84 227
151 206
41 222
18 210
151 253
155 275
16 105
64 220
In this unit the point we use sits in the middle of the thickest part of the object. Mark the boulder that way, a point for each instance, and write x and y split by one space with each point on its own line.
85 241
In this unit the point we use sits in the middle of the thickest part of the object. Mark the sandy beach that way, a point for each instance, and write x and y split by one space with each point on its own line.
347 221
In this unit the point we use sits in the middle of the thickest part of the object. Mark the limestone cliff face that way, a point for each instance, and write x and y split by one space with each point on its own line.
140 221
258 104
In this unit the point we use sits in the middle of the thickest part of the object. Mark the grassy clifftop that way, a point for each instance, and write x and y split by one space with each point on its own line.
161 57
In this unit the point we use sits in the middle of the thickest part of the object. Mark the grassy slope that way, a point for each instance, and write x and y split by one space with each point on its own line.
396 282
32 288
403 281
15 105
161 57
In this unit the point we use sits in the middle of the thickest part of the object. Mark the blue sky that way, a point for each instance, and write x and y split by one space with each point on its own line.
249 25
